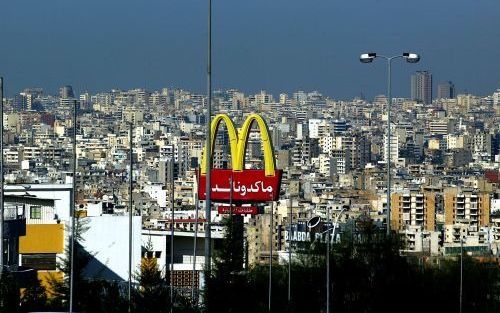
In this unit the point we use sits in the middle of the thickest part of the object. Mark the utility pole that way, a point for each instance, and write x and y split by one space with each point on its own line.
1 178
461 270
172 229
73 216
208 149
130 214
290 250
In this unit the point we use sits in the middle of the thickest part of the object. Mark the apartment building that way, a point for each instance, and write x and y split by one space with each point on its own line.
466 206
412 208
258 239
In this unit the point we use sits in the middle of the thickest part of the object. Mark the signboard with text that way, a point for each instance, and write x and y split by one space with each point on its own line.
240 184
247 186
237 210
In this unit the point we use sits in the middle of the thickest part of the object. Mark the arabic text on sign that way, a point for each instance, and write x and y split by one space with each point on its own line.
258 186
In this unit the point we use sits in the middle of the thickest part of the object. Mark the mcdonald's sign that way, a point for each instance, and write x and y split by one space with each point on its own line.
239 184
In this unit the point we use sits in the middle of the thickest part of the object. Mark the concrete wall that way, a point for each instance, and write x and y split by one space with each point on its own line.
107 241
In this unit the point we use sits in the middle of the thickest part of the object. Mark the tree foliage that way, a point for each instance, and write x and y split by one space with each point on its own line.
368 274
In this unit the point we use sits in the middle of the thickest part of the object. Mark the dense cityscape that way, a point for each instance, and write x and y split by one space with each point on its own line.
444 155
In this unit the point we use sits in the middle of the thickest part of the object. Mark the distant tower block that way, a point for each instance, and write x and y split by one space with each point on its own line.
446 90
421 87
66 92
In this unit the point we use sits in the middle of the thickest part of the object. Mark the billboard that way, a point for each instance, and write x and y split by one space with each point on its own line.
240 184
301 233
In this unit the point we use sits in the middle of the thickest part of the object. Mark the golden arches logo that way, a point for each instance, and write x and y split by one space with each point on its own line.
238 143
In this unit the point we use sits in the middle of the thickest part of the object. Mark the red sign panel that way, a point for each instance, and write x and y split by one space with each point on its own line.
237 210
247 186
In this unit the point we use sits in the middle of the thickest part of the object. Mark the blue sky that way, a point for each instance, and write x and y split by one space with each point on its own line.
276 45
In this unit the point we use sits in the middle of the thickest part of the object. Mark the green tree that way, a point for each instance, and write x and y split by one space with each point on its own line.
153 294
61 288
227 283
9 293
34 297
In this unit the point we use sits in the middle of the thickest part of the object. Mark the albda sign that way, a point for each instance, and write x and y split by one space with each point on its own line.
240 184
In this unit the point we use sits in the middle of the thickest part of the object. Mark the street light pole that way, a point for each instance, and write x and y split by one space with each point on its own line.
172 228
312 223
328 256
73 216
290 250
389 103
368 58
130 201
461 270
1 178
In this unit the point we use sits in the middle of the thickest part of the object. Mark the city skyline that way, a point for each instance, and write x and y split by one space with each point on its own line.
231 156
435 93
278 47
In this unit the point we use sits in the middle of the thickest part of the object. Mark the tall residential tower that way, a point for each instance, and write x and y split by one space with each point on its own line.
421 87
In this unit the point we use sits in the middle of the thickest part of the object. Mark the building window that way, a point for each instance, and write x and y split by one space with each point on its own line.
40 261
35 212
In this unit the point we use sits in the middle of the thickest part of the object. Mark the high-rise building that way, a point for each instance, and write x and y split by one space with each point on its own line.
496 98
394 148
421 87
66 92
339 126
446 90
66 96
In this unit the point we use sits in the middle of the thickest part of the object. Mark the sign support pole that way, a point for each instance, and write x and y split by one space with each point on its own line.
270 254
290 250
196 203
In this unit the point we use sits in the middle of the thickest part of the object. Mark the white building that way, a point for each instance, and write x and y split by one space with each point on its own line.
107 241
394 148
157 192
454 142
496 98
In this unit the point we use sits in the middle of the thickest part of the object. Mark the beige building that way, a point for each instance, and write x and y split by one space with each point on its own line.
455 141
258 239
466 206
413 209
434 144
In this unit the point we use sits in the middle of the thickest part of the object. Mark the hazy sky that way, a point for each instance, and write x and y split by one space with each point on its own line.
276 45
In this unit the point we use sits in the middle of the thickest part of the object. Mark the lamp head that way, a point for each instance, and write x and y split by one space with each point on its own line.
313 222
367 57
411 57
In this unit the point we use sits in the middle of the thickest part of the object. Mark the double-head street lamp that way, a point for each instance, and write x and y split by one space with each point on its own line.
312 223
368 58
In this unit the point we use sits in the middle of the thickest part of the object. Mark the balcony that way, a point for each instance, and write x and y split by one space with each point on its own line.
14 222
